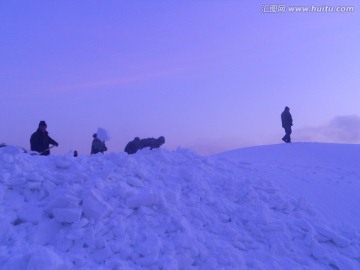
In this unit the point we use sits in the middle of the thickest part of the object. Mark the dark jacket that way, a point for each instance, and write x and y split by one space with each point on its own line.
133 146
137 144
152 142
286 118
98 146
40 142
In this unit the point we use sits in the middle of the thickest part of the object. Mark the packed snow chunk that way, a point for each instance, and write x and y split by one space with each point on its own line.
11 150
94 207
326 235
145 199
102 254
6 231
2 192
62 199
10 154
68 215
147 252
44 258
45 232
5 177
64 162
30 213
34 177
16 261
17 181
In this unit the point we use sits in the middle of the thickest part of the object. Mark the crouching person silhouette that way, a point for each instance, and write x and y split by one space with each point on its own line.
139 144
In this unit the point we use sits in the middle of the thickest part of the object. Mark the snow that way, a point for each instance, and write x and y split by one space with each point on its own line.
102 134
289 206
327 175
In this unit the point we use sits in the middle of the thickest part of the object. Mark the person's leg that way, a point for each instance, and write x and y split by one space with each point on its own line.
287 135
285 138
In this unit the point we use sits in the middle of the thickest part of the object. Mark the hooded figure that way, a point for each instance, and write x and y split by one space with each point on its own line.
97 145
287 122
40 140
137 144
133 146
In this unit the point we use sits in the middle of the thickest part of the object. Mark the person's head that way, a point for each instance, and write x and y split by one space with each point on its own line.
94 135
42 126
287 108
161 140
136 139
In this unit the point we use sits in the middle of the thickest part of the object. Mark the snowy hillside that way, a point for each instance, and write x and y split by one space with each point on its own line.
327 175
255 208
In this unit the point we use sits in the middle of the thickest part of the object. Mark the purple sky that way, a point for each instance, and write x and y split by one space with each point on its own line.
208 75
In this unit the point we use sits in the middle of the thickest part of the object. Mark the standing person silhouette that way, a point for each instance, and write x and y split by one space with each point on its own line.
40 140
97 146
287 122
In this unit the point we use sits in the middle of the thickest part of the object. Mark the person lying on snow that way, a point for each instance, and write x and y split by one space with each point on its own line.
138 144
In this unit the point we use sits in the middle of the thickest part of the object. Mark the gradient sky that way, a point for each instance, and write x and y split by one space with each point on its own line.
210 75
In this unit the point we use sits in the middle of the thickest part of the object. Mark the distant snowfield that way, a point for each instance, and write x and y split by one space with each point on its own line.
290 206
326 175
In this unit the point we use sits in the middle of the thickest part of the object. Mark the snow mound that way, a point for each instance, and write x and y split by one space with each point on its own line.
159 210
327 175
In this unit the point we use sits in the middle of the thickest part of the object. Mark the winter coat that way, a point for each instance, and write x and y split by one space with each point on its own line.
137 144
150 142
40 141
133 146
286 119
98 146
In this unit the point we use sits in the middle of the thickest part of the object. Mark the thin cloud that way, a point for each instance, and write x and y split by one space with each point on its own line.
93 84
114 82
341 129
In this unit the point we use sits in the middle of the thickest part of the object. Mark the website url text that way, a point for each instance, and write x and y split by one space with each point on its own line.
312 9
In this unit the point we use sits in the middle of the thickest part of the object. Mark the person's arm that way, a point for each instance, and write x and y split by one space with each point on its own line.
104 148
53 142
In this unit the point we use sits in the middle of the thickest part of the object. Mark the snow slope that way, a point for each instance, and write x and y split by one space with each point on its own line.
327 175
177 210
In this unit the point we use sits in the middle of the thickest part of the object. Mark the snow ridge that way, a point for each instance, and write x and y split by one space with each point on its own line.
158 210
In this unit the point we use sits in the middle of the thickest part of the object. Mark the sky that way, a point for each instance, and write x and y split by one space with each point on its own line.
208 75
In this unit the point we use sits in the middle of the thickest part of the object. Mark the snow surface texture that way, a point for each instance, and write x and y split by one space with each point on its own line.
176 210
